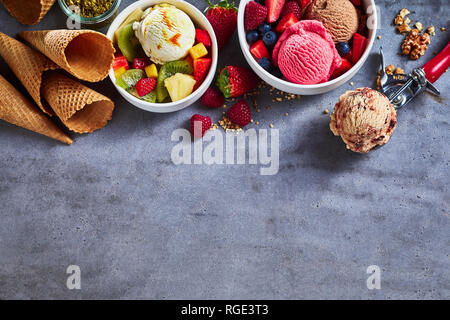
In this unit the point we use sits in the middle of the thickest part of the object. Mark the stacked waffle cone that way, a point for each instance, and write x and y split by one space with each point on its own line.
79 108
28 11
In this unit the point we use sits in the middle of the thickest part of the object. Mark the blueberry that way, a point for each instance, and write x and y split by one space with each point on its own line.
264 27
270 38
343 48
252 36
265 63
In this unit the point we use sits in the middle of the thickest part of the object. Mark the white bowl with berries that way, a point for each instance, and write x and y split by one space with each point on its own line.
306 47
166 54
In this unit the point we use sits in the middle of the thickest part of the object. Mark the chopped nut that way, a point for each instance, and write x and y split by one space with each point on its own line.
399 71
286 114
379 37
415 44
404 28
419 26
389 69
398 20
351 83
443 29
404 12
271 125
431 30
257 122
407 20
326 111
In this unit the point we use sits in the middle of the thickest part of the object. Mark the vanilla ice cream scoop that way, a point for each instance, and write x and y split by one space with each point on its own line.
166 33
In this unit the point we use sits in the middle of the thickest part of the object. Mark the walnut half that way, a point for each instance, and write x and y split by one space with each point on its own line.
415 44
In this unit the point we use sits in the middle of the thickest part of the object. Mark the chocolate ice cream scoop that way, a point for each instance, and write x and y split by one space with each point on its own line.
340 17
364 118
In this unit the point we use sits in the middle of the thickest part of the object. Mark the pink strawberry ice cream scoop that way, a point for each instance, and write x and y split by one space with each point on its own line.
305 53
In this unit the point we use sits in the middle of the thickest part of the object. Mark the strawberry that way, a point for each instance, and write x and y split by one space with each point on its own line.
145 86
240 113
359 45
303 3
223 19
345 66
254 15
140 63
119 62
356 2
234 81
292 7
259 50
199 125
201 69
274 9
212 98
286 22
203 37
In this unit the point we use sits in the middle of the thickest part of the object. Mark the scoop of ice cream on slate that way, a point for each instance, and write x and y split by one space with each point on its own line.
340 17
166 33
364 118
305 53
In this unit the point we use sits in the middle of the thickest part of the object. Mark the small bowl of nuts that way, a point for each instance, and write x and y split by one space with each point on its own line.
91 13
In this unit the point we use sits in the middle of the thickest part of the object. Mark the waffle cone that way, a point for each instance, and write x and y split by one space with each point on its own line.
87 55
81 109
16 109
28 11
28 65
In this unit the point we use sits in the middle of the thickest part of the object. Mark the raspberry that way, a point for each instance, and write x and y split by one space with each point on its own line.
240 113
254 15
198 120
212 98
292 7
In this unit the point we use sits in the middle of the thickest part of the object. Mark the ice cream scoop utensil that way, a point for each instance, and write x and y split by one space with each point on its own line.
401 89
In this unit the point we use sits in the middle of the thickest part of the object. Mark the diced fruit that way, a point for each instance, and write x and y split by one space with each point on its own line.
151 71
199 125
119 62
145 86
292 6
168 70
240 113
343 48
286 22
198 51
304 3
136 15
202 36
130 78
128 43
274 9
119 72
264 27
359 45
254 15
179 86
201 69
270 38
151 97
259 50
265 64
252 36
345 66
212 98
234 81
140 63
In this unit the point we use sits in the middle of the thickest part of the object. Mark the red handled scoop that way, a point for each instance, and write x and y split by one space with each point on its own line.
436 67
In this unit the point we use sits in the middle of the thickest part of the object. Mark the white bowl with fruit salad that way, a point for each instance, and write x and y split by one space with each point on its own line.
166 54
306 46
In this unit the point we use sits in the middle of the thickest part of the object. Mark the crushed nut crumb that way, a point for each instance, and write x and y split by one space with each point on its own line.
326 111
431 30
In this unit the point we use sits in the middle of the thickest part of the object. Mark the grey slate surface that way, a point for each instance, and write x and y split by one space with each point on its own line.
141 227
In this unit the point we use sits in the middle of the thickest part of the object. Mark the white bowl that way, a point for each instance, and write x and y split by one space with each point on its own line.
283 85
200 21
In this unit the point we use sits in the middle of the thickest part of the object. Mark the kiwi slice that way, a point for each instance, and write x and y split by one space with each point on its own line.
136 15
129 79
151 97
168 70
129 44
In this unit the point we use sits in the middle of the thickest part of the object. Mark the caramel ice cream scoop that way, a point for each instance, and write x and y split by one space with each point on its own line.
364 118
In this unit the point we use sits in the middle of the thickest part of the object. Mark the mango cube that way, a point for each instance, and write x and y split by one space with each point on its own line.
119 72
189 60
151 71
198 51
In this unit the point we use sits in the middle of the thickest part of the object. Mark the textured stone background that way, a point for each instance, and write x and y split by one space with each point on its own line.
141 227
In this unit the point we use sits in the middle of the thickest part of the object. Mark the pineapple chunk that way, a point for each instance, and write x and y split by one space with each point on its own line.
151 71
119 72
179 86
198 51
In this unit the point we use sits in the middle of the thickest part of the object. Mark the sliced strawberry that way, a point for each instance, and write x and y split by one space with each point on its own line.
345 66
303 3
201 69
359 45
145 86
274 9
259 50
140 63
286 22
119 62
203 37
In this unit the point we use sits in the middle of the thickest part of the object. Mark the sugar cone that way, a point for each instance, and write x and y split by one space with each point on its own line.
16 109
28 11
86 54
28 65
81 109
